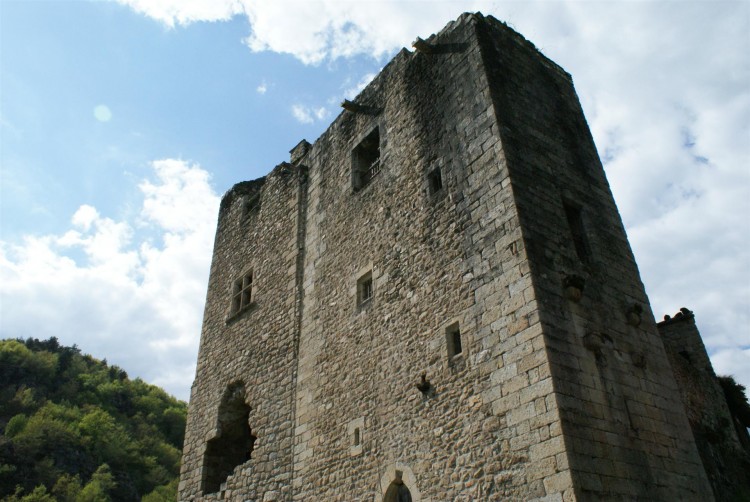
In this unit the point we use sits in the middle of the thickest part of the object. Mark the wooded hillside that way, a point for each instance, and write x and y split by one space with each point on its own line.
76 429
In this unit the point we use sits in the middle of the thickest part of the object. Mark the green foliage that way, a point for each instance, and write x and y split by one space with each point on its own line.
166 493
78 429
16 425
67 488
100 487
736 399
38 494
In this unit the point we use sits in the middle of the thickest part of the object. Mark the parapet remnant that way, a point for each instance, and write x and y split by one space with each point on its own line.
422 46
682 314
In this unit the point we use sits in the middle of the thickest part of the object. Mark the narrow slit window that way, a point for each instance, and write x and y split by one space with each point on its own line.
354 430
575 223
366 160
364 289
242 292
453 341
435 180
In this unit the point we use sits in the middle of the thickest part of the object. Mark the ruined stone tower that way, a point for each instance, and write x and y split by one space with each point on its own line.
436 297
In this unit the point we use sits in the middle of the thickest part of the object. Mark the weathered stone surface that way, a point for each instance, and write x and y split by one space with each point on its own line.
724 448
415 325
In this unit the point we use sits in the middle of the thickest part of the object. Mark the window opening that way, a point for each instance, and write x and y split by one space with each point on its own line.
453 340
354 431
435 180
364 289
251 203
575 223
242 292
234 444
366 160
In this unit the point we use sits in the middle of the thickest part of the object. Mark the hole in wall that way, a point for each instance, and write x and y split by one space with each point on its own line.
233 445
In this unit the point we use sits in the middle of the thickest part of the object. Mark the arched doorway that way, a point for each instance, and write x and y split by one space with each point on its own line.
397 491
398 480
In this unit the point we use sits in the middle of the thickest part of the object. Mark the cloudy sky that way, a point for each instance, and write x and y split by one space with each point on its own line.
122 123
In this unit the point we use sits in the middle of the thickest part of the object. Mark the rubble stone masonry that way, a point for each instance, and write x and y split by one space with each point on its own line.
442 300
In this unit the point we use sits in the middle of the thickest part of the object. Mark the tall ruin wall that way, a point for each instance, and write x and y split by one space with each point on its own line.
441 300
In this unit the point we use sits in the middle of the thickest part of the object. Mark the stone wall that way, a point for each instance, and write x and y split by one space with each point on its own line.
255 347
726 462
624 426
444 300
437 260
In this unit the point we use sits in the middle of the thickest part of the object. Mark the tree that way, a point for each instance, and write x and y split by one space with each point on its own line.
67 488
736 399
99 488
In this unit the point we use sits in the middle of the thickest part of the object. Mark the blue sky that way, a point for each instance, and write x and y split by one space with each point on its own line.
186 92
122 123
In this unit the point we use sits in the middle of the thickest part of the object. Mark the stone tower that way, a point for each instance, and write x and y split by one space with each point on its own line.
436 297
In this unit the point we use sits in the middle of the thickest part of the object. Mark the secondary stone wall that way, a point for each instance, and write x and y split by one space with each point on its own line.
727 464
257 231
624 427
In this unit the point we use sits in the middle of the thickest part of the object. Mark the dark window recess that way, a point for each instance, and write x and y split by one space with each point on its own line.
234 445
242 292
356 438
364 289
366 160
575 222
453 341
435 180
251 204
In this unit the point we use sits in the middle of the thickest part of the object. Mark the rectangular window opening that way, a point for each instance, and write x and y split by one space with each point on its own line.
573 214
366 160
435 180
242 292
356 438
364 289
453 341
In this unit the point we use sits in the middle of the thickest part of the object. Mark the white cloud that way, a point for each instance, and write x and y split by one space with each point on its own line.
308 115
666 90
104 286
321 113
173 12
302 114
262 88
352 91
313 31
